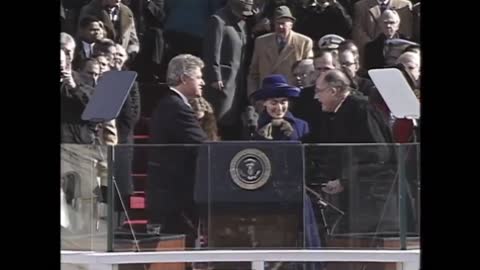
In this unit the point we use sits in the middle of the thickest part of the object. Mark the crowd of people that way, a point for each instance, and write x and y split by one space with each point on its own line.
240 42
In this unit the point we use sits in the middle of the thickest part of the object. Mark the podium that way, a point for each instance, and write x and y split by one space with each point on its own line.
250 195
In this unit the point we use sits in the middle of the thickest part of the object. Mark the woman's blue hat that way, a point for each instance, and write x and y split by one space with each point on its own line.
274 86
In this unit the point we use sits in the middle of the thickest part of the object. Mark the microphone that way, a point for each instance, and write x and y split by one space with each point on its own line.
251 119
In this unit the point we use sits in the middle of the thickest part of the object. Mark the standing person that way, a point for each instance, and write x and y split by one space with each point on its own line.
347 118
276 53
169 188
224 51
118 21
277 123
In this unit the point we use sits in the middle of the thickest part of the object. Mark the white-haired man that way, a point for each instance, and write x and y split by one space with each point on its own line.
169 190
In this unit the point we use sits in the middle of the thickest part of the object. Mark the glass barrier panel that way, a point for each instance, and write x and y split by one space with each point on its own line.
83 174
241 195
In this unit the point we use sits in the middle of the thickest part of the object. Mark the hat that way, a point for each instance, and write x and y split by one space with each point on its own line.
330 41
283 12
274 86
243 7
394 48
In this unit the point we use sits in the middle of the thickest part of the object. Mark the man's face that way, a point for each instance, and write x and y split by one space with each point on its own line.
276 107
111 3
305 73
390 23
412 64
324 94
93 32
110 55
323 64
68 48
119 57
63 61
92 70
193 84
283 26
104 64
347 60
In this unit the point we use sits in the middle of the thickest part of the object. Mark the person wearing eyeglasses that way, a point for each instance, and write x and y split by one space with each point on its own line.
345 118
349 60
305 106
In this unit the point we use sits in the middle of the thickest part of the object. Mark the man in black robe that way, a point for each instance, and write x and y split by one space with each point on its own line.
347 119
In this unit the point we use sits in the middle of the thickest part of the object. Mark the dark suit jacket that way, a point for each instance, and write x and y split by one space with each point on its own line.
129 116
127 34
224 50
305 106
356 121
73 102
171 169
78 55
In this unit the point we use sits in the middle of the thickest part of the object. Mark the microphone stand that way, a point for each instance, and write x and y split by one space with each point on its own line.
323 204
251 131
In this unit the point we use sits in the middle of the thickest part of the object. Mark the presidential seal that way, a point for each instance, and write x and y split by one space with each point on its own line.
250 169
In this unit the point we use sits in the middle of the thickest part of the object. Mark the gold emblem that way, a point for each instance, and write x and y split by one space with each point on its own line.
250 169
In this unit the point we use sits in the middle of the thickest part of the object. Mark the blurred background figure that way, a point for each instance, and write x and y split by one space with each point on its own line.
150 23
205 115
91 30
118 20
304 72
275 53
330 43
186 25
349 60
367 24
374 50
317 18
224 51
75 95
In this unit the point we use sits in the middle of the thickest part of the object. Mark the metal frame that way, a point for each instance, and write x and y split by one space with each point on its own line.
407 259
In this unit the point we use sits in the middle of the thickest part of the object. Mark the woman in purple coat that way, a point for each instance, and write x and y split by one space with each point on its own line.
276 122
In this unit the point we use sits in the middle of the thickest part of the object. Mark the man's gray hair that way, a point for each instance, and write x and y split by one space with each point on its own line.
408 56
337 78
66 39
390 12
183 64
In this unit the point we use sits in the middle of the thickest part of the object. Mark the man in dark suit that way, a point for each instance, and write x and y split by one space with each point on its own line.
224 51
91 30
118 21
171 170
348 118
374 50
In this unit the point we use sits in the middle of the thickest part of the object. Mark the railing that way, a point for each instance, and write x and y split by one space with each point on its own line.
407 259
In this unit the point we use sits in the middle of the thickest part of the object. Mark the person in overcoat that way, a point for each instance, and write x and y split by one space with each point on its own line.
224 51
